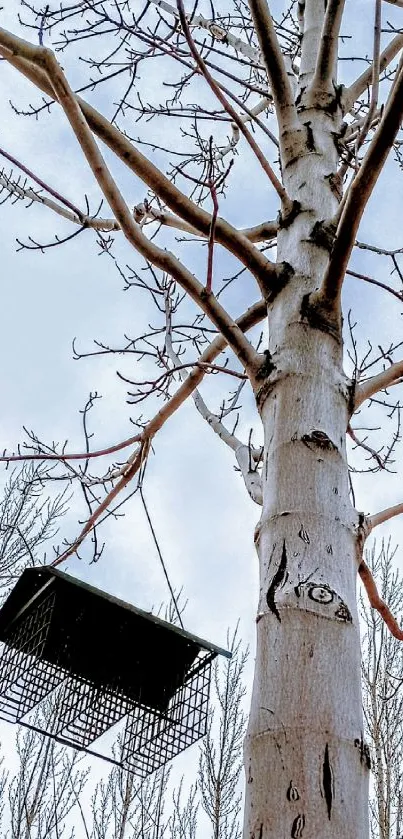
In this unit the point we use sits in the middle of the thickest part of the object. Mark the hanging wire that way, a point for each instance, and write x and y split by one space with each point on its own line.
172 593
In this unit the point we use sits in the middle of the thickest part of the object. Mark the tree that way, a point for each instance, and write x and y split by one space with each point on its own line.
122 807
271 79
220 763
29 519
382 683
44 790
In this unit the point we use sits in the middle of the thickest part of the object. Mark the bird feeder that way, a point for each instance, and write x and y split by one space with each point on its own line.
100 661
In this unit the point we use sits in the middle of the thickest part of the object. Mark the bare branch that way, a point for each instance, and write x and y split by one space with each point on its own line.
214 422
392 376
21 55
366 525
262 232
377 602
142 212
218 32
373 281
277 72
375 77
352 93
161 258
384 515
362 445
42 184
231 111
133 467
360 192
213 191
249 117
24 192
327 55
160 384
252 316
259 233
12 458
243 453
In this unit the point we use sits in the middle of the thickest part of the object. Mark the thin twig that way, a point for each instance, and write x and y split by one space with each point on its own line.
372 281
42 184
79 456
131 471
213 191
287 204
366 448
375 76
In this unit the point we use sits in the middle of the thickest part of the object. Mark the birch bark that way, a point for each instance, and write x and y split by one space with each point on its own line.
305 757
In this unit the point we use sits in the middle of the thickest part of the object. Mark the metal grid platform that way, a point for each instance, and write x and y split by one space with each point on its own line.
101 661
150 739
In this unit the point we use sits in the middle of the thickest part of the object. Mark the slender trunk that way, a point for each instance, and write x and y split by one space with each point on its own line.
306 761
126 802
379 767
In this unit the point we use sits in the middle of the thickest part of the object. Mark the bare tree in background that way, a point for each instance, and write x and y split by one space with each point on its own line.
183 822
383 699
3 786
122 807
29 520
43 791
262 85
125 808
37 800
220 764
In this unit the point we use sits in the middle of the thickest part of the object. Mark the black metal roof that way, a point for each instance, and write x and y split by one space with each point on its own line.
32 582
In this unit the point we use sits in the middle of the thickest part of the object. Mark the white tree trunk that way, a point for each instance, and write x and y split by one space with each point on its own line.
306 762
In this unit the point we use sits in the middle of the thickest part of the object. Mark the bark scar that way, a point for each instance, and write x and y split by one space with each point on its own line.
304 535
327 779
310 140
276 583
292 792
318 439
365 755
298 826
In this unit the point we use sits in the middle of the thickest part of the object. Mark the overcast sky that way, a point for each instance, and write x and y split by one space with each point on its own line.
203 517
